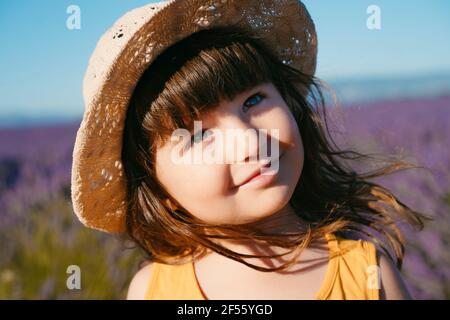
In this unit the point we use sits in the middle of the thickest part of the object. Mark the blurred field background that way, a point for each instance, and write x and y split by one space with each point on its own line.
41 237
393 86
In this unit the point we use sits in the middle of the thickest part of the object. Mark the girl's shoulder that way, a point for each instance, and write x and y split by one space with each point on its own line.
139 283
352 269
363 258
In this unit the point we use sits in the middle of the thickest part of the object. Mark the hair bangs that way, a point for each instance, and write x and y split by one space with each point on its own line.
219 70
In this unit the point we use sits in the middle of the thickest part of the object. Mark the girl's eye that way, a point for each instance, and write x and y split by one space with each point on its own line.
200 136
256 98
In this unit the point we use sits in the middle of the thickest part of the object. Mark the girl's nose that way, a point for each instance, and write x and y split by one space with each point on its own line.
241 141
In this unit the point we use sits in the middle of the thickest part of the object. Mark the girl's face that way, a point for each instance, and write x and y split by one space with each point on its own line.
216 191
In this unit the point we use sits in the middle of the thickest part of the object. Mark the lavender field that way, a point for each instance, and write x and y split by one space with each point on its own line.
40 236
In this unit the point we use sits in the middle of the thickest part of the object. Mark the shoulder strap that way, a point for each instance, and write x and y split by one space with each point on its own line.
373 270
356 270
173 282
151 286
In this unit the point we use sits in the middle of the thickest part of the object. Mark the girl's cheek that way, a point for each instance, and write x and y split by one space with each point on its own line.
202 181
282 124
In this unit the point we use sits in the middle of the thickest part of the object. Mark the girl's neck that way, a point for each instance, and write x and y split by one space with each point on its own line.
283 222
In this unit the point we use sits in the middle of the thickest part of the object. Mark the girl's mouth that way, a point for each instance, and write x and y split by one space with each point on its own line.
262 177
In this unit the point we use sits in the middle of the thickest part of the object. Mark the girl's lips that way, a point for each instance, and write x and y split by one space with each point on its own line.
259 179
253 175
257 174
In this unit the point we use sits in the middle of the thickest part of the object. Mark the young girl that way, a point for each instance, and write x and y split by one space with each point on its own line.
310 227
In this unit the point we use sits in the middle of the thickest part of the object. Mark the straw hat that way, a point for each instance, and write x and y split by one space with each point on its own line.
121 56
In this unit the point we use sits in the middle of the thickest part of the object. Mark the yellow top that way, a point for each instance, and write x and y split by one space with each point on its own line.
350 275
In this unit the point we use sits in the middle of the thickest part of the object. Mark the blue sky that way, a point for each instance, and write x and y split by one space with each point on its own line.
42 63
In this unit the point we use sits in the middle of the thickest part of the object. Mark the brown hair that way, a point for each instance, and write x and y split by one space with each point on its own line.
196 74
